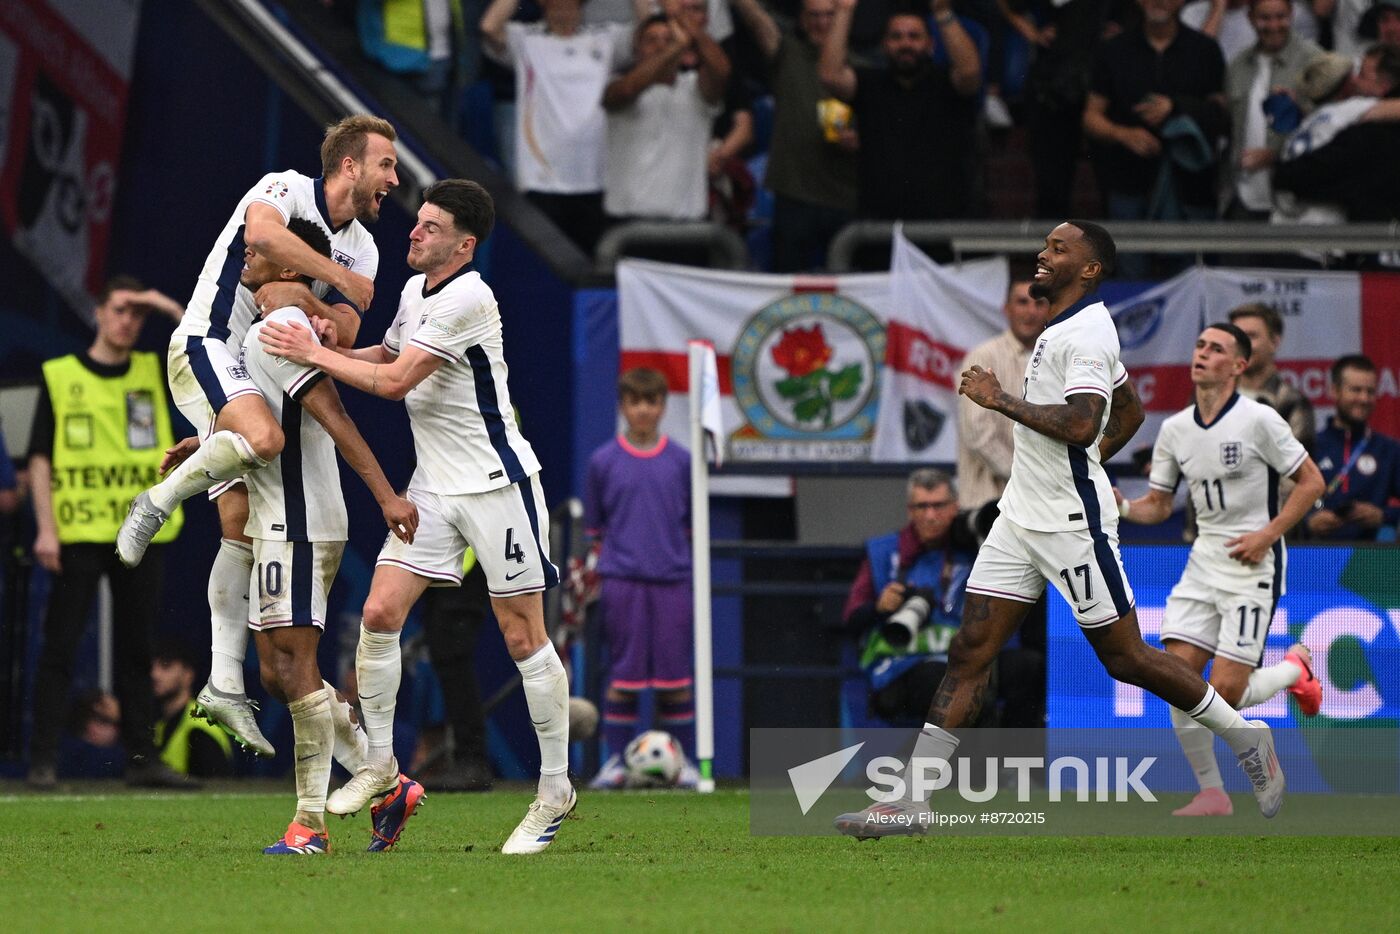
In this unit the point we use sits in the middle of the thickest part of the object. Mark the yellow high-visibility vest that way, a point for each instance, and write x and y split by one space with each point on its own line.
109 434
175 751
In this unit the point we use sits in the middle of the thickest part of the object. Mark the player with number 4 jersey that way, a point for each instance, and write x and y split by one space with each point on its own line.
1231 452
477 483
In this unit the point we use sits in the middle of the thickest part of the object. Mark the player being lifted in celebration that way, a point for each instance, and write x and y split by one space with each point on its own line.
1231 451
236 426
1059 523
476 483
298 525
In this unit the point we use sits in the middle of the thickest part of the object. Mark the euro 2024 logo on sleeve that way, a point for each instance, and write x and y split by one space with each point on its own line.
806 375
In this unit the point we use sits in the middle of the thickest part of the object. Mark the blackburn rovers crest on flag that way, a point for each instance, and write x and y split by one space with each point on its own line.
1231 453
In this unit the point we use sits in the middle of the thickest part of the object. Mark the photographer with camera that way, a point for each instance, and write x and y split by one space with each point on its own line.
907 602
1360 465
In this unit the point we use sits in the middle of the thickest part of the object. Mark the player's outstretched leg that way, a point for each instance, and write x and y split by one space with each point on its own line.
1294 674
987 622
225 455
1128 659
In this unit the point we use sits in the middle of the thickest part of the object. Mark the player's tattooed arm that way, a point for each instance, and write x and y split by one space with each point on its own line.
281 294
1155 507
1125 417
1076 421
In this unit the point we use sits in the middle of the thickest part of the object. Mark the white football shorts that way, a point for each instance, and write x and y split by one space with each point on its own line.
508 529
290 583
1231 623
1014 563
204 375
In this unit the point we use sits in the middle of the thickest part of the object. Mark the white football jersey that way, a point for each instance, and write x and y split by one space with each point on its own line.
297 496
1054 486
464 430
1232 467
223 309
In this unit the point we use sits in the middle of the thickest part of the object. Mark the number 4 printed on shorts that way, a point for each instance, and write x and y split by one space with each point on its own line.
513 550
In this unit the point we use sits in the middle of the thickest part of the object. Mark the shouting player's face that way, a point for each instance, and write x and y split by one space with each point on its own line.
377 176
1063 264
1217 359
435 241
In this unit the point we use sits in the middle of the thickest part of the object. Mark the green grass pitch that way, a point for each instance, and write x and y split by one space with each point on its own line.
656 862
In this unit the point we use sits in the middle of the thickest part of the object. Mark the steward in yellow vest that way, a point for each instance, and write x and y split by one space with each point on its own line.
101 426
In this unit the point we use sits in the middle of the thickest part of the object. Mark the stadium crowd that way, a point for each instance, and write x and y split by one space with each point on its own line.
797 117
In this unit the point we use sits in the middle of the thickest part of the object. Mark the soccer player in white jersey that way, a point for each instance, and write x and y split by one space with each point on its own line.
213 391
298 525
477 483
1231 451
1059 523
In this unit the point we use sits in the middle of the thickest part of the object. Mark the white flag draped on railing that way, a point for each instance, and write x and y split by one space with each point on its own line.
937 314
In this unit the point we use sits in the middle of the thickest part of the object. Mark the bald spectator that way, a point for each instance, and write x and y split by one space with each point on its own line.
915 118
811 160
984 436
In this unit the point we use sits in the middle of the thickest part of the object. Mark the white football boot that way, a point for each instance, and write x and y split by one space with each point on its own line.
538 828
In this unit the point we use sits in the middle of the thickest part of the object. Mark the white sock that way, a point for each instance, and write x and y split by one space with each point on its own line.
547 696
934 742
379 669
1264 683
228 615
1199 745
351 743
224 455
314 731
1224 721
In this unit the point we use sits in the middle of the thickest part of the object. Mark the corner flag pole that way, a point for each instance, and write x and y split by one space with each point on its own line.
704 413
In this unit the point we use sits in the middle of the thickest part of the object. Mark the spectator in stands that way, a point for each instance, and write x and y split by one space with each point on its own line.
1156 112
101 425
1231 23
1382 23
906 603
1261 380
1274 61
561 69
1361 466
811 159
984 437
659 116
732 137
188 744
915 118
1345 17
1340 163
1065 41
434 42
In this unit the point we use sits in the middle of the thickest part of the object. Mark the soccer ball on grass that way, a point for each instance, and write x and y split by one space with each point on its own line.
653 760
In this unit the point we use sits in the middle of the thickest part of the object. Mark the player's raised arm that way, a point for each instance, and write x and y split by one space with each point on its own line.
1076 421
1251 547
265 230
323 402
1125 417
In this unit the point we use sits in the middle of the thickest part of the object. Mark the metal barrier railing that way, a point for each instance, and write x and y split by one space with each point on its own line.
726 248
1198 237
